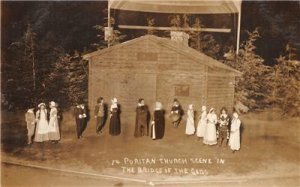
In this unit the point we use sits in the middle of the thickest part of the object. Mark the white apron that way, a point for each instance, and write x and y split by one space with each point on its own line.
234 140
202 125
53 125
41 133
210 137
190 124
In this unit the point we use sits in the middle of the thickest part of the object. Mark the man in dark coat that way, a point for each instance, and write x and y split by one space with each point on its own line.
100 111
80 114
142 118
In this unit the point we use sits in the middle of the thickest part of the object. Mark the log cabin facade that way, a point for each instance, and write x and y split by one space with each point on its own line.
158 69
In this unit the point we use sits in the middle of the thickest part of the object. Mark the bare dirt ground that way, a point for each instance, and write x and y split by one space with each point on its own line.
269 156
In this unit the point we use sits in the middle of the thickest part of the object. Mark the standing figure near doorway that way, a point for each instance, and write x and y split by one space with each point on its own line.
114 125
142 117
158 122
176 113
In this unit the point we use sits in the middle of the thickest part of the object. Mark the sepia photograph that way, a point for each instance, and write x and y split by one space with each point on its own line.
165 93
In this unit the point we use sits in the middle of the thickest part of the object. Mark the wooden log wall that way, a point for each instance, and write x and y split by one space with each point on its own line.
154 72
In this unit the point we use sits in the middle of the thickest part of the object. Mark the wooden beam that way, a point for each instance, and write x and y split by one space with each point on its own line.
222 30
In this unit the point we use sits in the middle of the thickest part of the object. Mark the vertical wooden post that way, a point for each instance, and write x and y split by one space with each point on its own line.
238 31
108 21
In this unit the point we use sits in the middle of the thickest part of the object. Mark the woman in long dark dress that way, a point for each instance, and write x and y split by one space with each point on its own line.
158 123
114 125
141 122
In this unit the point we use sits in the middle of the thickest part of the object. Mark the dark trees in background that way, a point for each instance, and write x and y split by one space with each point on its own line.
22 75
67 83
60 28
201 41
263 86
252 88
278 23
286 83
115 37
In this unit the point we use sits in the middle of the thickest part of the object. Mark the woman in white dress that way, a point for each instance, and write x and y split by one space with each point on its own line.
190 124
41 132
53 133
234 140
210 137
202 123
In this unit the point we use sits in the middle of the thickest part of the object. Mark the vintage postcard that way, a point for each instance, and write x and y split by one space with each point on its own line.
150 93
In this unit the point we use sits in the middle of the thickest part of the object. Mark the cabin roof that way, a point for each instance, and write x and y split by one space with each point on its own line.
168 43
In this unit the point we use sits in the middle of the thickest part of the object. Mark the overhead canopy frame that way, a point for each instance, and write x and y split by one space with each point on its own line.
182 7
179 6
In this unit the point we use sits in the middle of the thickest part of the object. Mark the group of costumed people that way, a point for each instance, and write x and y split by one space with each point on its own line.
157 125
43 125
213 129
210 127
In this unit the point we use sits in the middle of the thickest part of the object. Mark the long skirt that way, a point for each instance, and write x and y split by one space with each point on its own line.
175 118
234 140
115 126
41 133
53 129
210 137
201 128
190 126
158 128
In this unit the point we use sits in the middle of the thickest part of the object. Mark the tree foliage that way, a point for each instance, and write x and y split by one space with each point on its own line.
204 42
201 41
262 86
116 36
21 84
286 84
151 23
252 88
68 80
